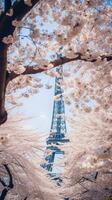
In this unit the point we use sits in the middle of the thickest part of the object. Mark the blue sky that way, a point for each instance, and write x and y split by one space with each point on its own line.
108 2
39 106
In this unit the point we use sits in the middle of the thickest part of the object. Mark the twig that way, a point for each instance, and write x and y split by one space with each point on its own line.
8 186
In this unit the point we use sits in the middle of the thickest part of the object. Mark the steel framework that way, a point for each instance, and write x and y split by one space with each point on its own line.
58 126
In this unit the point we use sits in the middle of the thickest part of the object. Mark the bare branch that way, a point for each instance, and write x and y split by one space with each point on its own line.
8 186
3 194
2 182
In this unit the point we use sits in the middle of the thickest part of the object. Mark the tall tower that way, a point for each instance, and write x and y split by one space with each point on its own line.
58 126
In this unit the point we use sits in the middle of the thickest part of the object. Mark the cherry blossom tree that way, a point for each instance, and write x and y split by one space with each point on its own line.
21 176
73 37
8 15
36 36
88 157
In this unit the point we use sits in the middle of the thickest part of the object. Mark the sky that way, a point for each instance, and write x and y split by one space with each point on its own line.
39 107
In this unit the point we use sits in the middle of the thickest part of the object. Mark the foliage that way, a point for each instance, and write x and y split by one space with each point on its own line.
89 156
46 34
76 32
21 152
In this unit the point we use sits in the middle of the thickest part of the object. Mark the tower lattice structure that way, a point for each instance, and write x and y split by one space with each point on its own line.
58 126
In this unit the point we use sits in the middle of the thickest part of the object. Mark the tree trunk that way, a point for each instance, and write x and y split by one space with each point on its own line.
20 9
3 65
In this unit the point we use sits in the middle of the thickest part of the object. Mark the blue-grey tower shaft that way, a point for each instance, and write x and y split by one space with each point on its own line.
58 125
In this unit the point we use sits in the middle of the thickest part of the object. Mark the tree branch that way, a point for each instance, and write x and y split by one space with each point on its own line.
2 182
57 62
3 64
20 9
7 5
8 186
3 194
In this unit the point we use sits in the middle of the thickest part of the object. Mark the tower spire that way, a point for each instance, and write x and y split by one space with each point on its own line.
58 126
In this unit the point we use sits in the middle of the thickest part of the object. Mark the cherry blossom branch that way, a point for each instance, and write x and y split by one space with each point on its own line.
57 62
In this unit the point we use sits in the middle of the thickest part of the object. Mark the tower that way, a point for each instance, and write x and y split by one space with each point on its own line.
58 126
